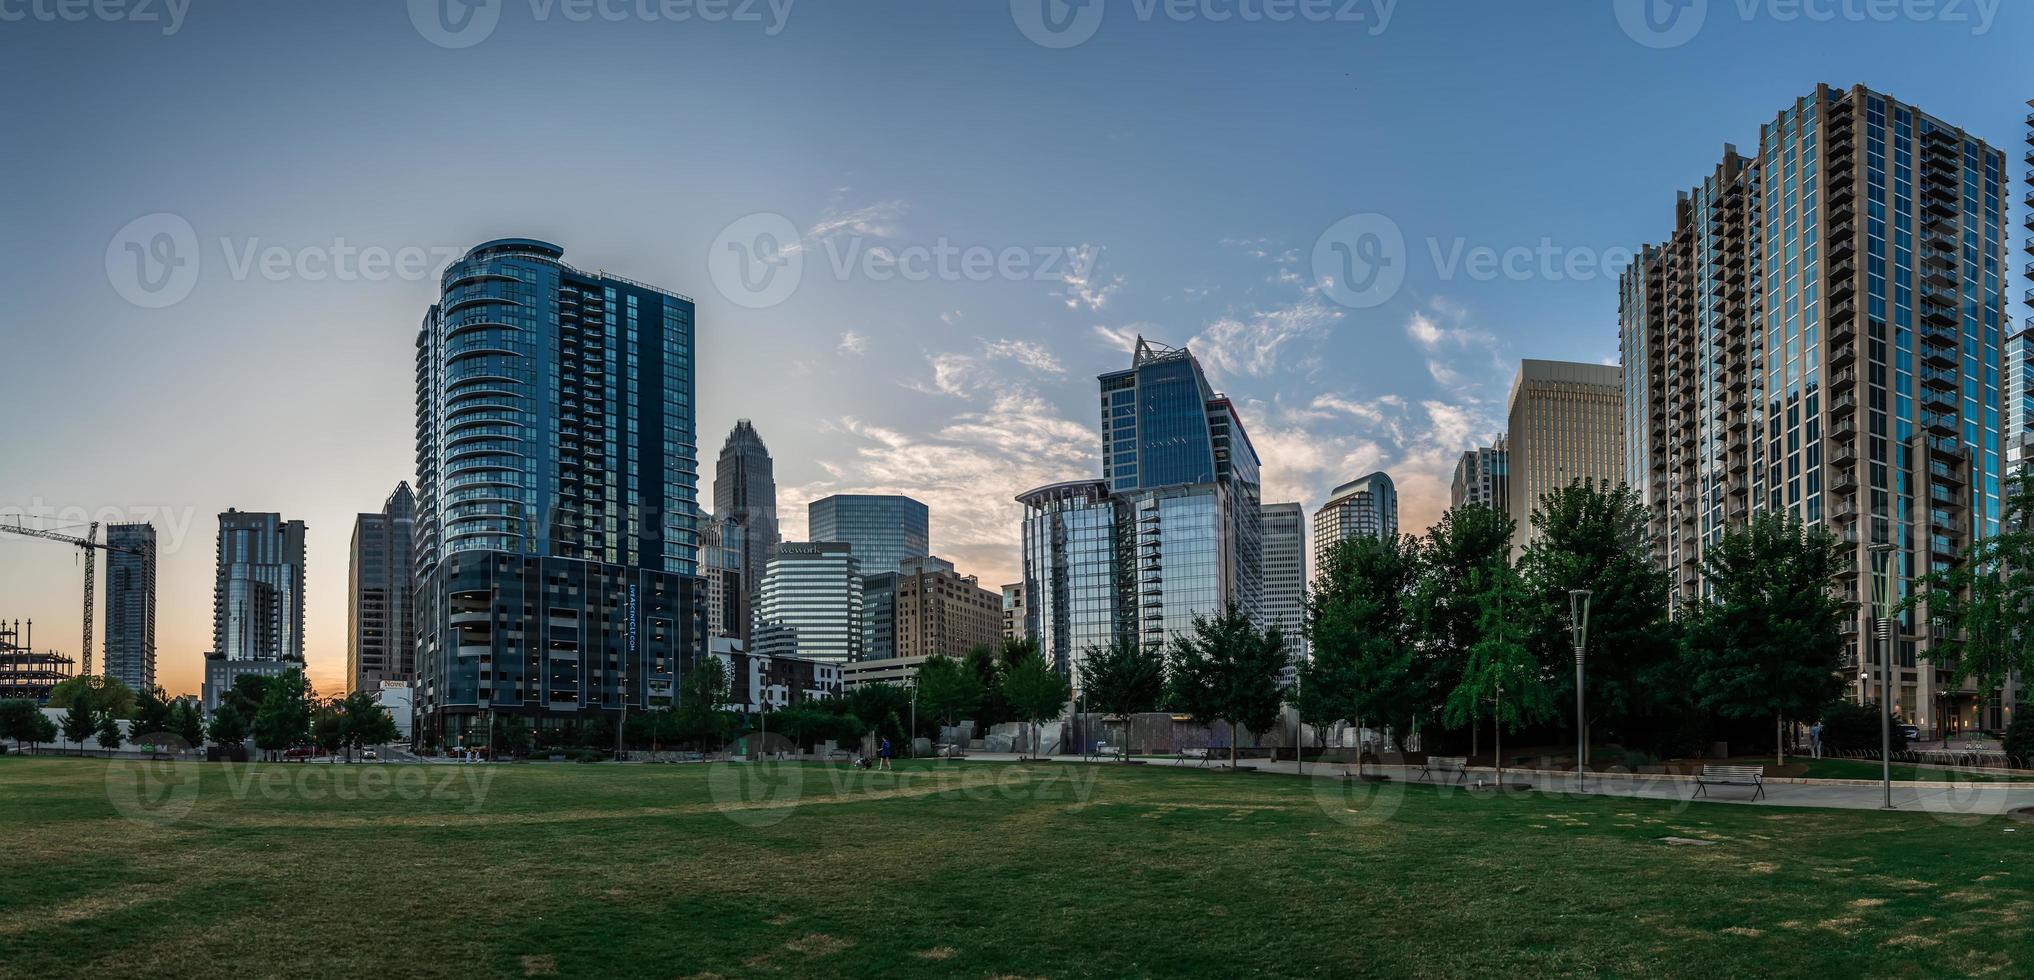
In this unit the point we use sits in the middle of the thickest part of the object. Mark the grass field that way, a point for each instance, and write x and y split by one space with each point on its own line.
1867 769
973 870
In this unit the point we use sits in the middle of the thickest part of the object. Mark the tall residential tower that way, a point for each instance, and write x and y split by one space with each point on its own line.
381 627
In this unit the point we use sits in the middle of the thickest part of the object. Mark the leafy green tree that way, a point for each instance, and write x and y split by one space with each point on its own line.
1036 692
1986 601
107 734
18 718
880 709
1448 607
1123 679
514 735
701 696
1848 726
1227 670
80 721
1598 538
2019 740
1766 642
1366 663
228 728
184 721
151 714
284 718
947 689
44 730
246 694
328 728
994 708
106 695
364 722
1501 671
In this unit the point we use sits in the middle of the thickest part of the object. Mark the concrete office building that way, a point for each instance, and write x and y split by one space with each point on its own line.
130 605
884 528
1482 479
381 626
1014 627
557 507
258 588
940 611
1821 335
1285 573
1366 506
1565 426
815 588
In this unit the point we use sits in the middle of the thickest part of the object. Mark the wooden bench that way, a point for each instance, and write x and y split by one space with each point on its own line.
1753 776
1205 753
1459 765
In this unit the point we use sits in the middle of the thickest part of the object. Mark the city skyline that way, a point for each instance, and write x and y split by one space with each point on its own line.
958 393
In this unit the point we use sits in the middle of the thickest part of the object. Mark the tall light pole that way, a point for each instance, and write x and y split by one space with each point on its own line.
1578 623
1883 628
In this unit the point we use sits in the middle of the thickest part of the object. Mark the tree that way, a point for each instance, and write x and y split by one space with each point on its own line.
1501 670
284 718
1359 621
2019 740
993 709
105 694
80 722
700 697
1123 679
514 734
18 718
45 730
151 714
1227 670
246 694
1599 538
1850 726
1986 601
1766 642
947 689
328 728
1036 692
228 728
107 734
1449 608
184 721
364 722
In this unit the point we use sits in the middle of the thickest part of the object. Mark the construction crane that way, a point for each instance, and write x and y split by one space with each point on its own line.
88 545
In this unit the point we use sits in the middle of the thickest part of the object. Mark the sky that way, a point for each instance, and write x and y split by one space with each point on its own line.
916 231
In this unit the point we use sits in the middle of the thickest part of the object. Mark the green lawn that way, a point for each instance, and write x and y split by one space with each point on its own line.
973 870
1867 769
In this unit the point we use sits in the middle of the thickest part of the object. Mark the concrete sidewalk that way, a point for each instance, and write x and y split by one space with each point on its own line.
1942 799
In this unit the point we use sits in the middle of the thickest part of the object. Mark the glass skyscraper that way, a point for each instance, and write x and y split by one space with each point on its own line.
1075 572
745 492
556 535
130 605
1366 506
258 590
883 528
1285 572
381 626
815 588
1822 335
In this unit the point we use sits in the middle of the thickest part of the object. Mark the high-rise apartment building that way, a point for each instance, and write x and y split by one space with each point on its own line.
556 537
1565 426
1285 573
1364 507
2017 385
381 626
1180 484
722 545
1821 335
1014 627
258 588
884 528
1482 479
940 611
879 616
815 588
745 491
130 605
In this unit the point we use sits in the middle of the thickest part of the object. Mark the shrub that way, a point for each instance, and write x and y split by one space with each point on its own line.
2019 740
1851 727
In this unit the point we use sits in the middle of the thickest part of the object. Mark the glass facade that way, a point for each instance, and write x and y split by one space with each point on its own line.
1366 506
381 628
1073 578
815 588
258 593
745 491
884 529
879 616
130 605
1285 572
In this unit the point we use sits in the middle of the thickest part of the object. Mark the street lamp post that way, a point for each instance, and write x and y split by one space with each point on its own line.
1578 622
1883 628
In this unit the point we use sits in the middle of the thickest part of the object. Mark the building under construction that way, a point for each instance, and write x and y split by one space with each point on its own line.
25 674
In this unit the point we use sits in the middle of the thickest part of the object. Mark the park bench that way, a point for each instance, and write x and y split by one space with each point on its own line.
1205 753
1459 765
1753 776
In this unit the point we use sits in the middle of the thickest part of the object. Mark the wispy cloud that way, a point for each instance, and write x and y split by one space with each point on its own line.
853 343
1252 344
1084 287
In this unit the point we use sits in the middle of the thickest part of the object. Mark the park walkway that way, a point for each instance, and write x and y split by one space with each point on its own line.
1963 799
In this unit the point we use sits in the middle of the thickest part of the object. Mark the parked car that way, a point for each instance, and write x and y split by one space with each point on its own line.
367 755
1913 732
300 752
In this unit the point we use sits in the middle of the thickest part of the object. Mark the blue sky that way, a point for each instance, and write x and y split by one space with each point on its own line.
1172 174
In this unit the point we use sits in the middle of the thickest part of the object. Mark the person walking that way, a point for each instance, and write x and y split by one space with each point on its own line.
1815 740
883 753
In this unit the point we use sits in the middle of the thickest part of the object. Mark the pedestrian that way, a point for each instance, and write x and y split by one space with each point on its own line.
883 753
1815 740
